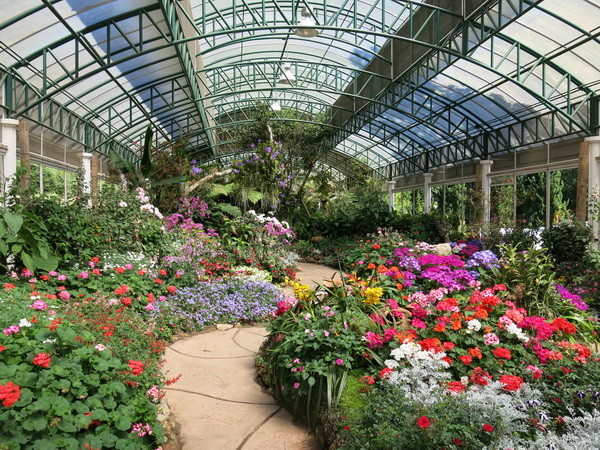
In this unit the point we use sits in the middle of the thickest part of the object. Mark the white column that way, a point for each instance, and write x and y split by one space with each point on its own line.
391 195
87 172
594 176
8 137
486 168
427 191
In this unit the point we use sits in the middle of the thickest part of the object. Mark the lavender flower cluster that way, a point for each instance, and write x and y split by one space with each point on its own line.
231 301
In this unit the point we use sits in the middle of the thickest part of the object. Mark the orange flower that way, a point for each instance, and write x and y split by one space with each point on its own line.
394 269
371 266
441 327
475 352
481 314
382 269
399 286
456 325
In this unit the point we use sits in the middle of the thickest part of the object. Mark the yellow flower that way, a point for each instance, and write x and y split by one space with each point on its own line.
302 291
373 296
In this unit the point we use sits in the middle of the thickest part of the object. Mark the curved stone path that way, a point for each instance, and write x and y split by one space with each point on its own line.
217 403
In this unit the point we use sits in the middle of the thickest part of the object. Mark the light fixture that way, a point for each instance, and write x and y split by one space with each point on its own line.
307 25
275 106
287 77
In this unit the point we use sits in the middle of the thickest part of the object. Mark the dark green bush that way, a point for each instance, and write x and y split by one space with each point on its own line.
568 243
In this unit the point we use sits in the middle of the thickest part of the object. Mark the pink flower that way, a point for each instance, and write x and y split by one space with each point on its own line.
491 339
149 307
296 385
61 277
100 347
12 330
26 273
64 295
129 266
39 305
418 323
339 361
53 273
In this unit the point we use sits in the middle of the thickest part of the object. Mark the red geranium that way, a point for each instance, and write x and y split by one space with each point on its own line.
466 359
9 393
423 422
511 382
171 289
487 427
137 367
502 352
42 359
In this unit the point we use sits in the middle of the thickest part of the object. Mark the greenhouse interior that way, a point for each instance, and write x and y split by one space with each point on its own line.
392 206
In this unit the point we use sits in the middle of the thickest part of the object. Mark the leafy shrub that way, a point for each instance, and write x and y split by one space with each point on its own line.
80 374
424 227
24 241
568 243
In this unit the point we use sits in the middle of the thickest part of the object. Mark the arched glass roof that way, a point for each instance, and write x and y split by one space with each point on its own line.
404 86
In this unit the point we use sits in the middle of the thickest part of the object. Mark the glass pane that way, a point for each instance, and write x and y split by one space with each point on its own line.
72 184
563 192
502 202
531 200
54 181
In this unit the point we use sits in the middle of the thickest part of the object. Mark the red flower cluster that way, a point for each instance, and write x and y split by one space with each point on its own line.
42 359
511 382
9 393
122 289
137 367
502 352
423 422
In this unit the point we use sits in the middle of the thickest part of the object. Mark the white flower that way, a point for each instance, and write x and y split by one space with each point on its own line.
123 204
24 323
473 325
391 363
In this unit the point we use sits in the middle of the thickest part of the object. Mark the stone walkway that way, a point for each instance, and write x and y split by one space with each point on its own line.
217 403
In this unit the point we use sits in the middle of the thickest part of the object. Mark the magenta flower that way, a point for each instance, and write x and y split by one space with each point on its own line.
39 305
339 361
11 330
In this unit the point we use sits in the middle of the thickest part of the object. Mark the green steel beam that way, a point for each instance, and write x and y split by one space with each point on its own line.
188 60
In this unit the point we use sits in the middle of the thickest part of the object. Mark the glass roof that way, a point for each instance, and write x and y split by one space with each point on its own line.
395 80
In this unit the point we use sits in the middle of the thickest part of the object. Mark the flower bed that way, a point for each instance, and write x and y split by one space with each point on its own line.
449 359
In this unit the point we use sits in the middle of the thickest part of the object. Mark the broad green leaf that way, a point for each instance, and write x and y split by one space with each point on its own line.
173 180
255 196
35 422
230 209
49 263
27 261
14 221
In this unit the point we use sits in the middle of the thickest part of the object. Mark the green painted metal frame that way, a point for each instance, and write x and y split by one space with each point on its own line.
575 115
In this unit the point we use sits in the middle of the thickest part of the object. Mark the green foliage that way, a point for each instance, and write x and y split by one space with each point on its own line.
72 390
531 276
568 243
424 227
24 241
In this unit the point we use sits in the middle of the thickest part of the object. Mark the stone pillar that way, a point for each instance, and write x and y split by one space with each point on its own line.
594 177
391 195
427 191
8 137
486 168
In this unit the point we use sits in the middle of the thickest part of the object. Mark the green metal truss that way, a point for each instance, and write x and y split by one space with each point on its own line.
370 76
